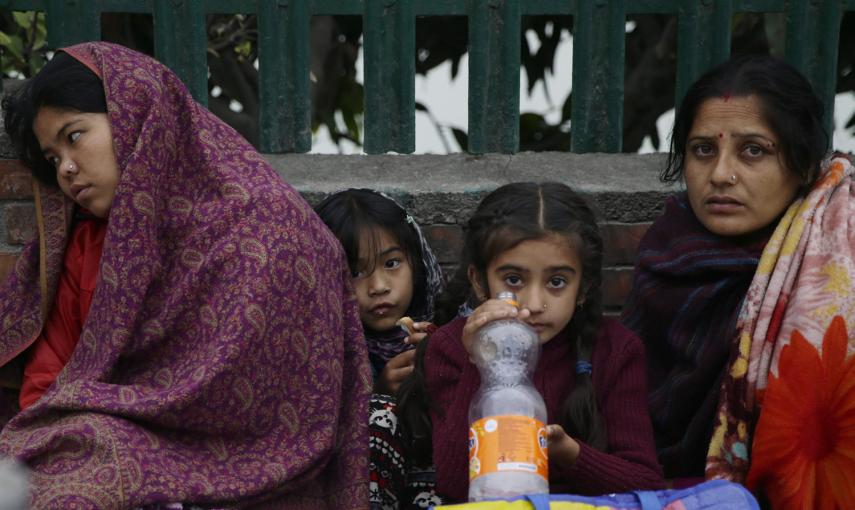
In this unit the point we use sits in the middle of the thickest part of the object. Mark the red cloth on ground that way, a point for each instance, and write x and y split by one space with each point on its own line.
621 391
53 348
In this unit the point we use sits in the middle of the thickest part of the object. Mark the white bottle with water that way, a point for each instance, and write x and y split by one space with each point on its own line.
507 416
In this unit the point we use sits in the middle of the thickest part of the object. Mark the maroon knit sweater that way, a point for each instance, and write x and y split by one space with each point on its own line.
619 384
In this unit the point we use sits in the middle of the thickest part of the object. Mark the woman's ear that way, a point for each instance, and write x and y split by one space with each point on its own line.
476 282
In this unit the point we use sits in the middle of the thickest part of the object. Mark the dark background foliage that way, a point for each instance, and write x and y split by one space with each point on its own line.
335 42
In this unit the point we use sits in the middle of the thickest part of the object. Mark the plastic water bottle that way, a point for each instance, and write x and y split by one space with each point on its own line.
507 416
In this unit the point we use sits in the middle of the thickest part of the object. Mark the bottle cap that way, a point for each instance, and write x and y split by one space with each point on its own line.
508 297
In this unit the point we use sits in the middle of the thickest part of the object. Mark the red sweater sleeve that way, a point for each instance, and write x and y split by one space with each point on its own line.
630 462
54 346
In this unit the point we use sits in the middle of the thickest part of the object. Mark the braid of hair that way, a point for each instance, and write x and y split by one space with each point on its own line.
414 411
580 414
456 292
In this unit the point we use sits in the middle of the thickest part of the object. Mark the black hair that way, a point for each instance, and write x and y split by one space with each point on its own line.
63 83
508 216
354 215
414 405
789 106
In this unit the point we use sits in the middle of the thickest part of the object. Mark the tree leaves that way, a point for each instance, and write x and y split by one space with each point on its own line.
22 43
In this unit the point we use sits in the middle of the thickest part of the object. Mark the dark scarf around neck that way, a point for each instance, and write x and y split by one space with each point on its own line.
688 287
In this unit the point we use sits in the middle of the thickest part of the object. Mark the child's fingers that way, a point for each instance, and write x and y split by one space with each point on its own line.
489 311
424 327
395 376
563 449
394 379
415 338
402 373
420 331
480 319
396 370
555 432
401 360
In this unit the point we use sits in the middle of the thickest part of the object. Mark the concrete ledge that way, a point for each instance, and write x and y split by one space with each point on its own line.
444 189
441 192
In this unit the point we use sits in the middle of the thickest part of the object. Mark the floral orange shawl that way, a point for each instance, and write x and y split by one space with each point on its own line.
794 363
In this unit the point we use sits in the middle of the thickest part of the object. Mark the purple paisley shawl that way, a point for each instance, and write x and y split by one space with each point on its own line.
222 362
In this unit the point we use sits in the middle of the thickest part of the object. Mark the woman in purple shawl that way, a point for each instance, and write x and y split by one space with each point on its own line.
221 362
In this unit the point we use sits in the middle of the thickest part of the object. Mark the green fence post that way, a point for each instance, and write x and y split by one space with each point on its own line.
494 76
283 60
389 38
71 21
180 42
599 28
703 39
813 35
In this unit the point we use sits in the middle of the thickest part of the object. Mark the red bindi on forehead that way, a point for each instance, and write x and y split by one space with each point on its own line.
726 96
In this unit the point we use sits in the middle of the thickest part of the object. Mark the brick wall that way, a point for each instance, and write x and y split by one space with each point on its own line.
440 191
620 239
621 243
17 214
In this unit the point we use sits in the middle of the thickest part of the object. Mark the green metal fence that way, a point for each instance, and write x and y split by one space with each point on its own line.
704 34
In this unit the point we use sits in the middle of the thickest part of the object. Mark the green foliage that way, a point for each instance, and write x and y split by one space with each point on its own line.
337 96
238 33
22 43
351 108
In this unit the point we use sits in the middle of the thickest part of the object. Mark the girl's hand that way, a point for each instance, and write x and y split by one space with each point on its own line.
563 449
421 331
401 366
489 311
396 370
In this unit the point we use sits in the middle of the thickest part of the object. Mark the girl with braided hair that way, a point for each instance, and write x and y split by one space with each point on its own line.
541 242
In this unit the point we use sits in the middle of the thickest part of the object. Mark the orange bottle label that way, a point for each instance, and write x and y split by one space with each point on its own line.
507 443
